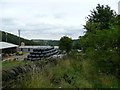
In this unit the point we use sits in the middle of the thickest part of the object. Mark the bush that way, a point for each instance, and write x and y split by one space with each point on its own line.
19 53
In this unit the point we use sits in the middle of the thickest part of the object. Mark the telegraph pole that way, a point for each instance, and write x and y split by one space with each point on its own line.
19 36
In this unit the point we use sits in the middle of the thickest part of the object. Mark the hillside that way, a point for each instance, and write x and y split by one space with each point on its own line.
53 42
47 42
15 39
11 38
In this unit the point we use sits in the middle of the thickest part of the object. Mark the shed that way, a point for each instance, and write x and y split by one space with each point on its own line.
7 48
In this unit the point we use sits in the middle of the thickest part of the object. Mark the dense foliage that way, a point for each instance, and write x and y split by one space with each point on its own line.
65 44
101 18
76 44
101 42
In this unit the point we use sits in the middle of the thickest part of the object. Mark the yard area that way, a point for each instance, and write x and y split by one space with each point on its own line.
16 57
14 61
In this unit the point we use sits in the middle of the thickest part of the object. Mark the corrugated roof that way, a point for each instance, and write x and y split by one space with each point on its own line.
4 45
41 47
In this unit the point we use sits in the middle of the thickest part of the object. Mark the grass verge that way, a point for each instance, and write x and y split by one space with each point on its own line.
71 72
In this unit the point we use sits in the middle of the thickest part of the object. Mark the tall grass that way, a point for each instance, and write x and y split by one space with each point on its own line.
74 71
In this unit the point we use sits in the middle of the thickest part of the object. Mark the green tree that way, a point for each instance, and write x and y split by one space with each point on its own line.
101 17
76 44
65 44
101 41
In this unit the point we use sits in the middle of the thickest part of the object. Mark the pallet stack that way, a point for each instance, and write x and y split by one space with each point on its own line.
39 53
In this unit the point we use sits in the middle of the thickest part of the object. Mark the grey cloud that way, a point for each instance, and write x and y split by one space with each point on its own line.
59 15
42 30
53 31
47 19
8 21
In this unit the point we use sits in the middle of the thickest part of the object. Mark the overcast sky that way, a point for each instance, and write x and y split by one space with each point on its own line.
48 19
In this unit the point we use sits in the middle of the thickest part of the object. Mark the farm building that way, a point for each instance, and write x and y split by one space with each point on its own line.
7 48
30 48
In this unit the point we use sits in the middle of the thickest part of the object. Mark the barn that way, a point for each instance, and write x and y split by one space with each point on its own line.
7 48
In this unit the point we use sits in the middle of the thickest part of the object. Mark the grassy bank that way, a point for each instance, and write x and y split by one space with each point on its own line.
7 65
75 71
